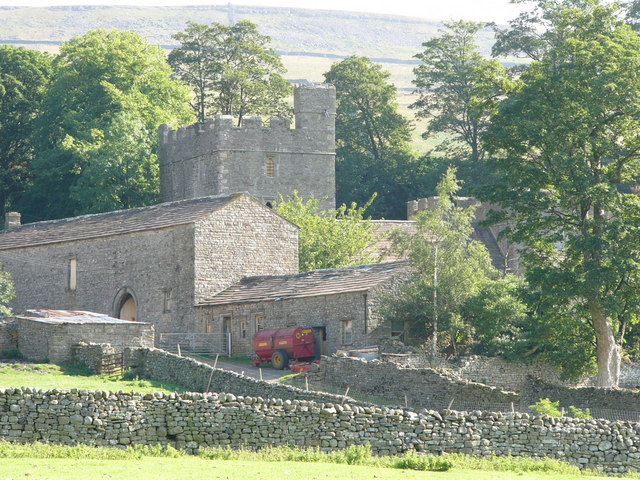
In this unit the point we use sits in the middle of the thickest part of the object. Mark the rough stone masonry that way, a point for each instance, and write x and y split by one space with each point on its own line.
195 420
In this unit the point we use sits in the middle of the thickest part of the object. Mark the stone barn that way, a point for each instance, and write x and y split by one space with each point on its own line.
150 264
52 334
339 304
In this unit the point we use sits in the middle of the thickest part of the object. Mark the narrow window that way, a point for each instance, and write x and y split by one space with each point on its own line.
259 321
166 303
271 167
210 327
347 329
73 273
243 329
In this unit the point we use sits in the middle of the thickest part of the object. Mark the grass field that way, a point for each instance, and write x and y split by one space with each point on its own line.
151 463
191 468
48 376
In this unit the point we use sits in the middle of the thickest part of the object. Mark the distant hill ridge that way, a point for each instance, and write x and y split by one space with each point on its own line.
294 31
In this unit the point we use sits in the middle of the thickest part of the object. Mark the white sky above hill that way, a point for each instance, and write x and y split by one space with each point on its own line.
480 10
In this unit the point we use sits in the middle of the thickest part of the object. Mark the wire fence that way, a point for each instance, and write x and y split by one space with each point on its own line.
194 344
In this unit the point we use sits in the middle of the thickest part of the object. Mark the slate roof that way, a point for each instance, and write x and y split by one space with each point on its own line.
381 249
309 284
111 223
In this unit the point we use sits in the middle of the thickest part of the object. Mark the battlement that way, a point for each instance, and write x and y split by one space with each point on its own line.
170 135
427 203
218 157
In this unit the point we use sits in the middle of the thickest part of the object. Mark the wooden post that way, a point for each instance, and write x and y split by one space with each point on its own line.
260 369
306 383
210 378
179 351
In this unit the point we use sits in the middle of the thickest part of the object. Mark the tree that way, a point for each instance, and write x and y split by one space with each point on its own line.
330 238
232 70
448 268
195 64
97 138
372 138
458 89
6 294
500 319
24 76
567 149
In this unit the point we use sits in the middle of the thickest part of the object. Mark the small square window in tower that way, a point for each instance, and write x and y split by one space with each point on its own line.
270 167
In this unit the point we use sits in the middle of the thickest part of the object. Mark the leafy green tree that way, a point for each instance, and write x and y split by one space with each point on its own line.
97 138
500 319
329 238
448 268
458 89
567 149
195 64
24 76
6 294
232 70
372 138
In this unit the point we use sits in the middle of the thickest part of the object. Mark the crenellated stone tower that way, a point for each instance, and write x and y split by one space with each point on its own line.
218 158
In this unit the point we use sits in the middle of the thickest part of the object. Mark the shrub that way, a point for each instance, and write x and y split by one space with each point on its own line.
545 406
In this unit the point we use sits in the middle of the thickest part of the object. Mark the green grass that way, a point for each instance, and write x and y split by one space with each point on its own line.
40 461
49 376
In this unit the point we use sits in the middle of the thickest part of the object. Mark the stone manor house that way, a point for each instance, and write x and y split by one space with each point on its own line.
210 259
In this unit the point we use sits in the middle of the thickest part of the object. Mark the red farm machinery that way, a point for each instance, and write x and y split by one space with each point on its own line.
279 345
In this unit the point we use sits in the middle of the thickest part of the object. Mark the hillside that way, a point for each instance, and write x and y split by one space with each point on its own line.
309 40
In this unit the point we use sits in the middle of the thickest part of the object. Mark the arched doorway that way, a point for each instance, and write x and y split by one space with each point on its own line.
125 305
128 309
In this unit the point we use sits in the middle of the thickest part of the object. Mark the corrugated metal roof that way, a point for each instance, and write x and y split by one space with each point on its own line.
111 223
71 316
309 284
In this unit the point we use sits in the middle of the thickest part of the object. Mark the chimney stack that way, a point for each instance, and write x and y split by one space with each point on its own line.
11 220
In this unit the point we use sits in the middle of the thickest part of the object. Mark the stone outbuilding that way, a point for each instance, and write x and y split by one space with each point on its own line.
150 264
52 334
341 305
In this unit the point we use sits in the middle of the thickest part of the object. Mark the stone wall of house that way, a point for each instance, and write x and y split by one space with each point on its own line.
39 340
197 376
218 158
191 421
323 311
144 264
243 238
421 387
8 336
92 354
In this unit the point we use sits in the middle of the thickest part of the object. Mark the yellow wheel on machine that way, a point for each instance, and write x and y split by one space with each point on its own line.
280 359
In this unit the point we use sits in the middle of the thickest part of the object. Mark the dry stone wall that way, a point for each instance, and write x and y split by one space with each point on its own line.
197 376
493 371
92 354
192 421
583 397
8 336
422 387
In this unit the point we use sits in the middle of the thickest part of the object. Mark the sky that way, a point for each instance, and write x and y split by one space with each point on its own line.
480 10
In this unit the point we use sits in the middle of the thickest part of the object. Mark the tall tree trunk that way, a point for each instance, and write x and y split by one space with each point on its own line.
608 351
